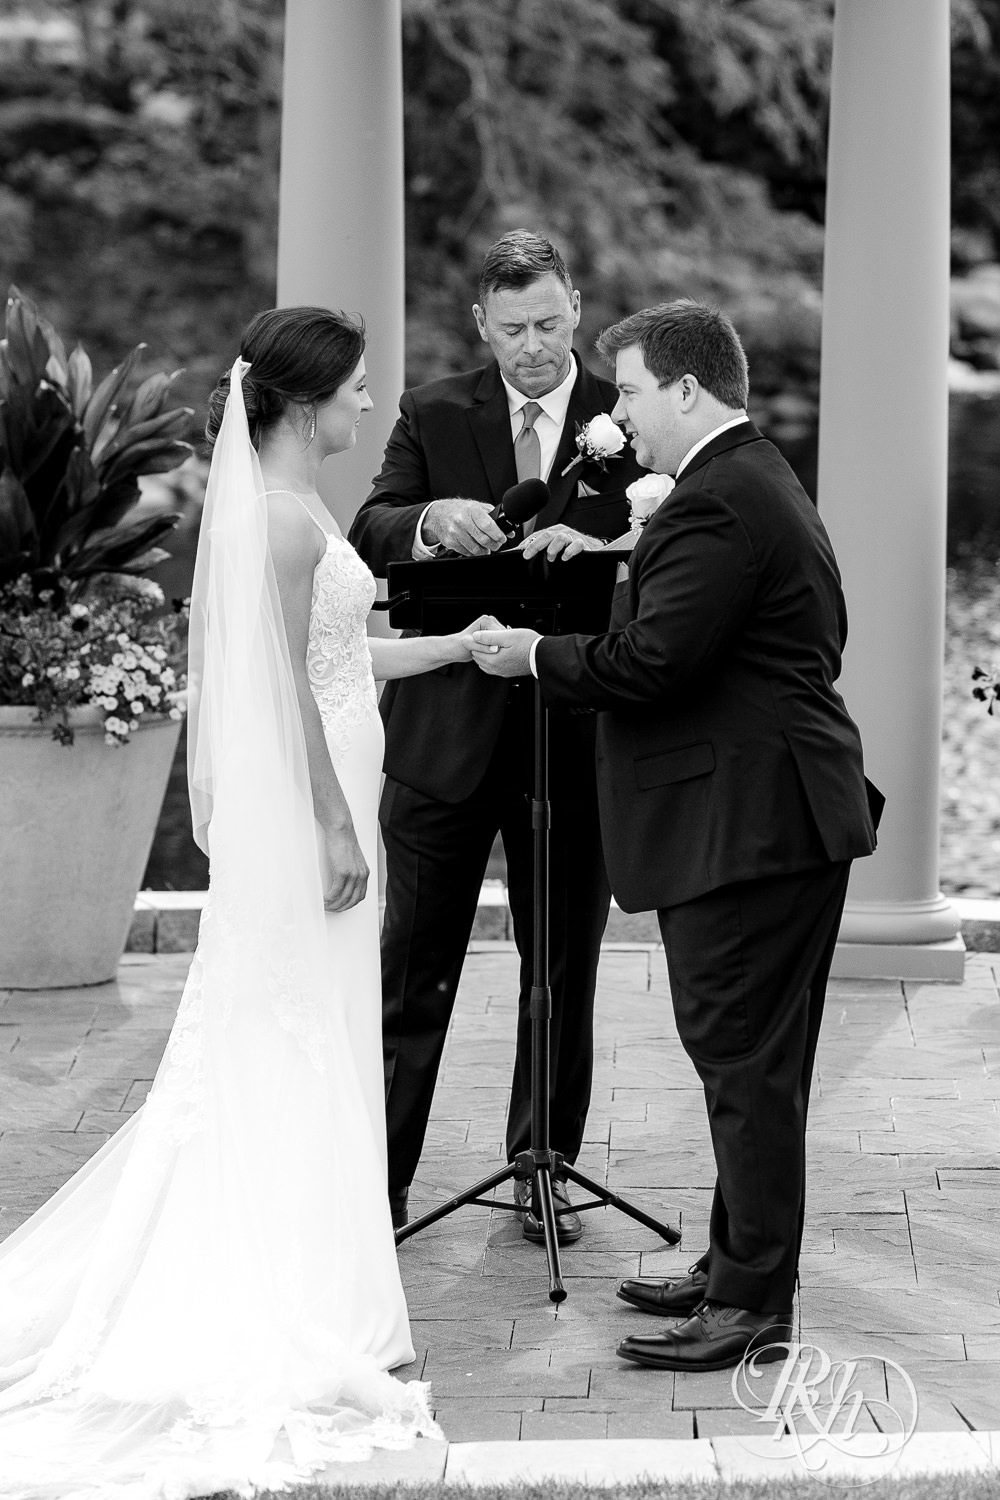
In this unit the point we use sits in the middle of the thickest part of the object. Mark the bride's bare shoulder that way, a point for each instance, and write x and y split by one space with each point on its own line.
292 530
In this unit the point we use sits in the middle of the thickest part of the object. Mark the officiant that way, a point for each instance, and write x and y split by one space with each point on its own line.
458 757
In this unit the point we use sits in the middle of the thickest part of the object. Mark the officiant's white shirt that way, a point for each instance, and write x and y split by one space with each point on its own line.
548 426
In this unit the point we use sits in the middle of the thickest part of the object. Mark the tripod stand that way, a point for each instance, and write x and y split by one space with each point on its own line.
554 602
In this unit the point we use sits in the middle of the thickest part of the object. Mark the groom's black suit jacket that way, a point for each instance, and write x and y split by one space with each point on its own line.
453 437
724 751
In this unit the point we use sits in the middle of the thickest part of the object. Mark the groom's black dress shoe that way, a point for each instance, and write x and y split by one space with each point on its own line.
568 1225
398 1198
667 1299
713 1338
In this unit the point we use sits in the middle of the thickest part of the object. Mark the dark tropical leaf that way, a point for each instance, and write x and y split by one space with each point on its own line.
104 509
33 425
55 372
80 483
110 429
79 380
151 457
101 402
18 535
149 398
147 560
72 454
72 518
115 549
168 424
57 349
27 349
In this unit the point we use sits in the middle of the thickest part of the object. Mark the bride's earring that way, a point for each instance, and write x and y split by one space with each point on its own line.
312 427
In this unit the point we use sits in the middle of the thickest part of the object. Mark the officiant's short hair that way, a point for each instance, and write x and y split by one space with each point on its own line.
517 259
685 338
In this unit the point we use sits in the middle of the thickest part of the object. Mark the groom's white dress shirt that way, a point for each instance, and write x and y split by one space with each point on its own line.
708 438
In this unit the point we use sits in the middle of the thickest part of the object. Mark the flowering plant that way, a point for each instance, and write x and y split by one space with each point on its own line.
598 440
112 649
79 624
987 689
645 495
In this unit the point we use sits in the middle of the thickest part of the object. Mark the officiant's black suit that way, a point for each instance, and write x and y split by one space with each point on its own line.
458 764
732 798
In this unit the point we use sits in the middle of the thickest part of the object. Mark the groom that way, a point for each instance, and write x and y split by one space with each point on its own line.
732 798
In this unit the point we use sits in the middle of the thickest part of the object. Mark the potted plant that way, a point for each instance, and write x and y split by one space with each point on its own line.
91 693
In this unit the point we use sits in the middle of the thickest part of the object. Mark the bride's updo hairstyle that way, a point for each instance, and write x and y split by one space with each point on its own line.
298 356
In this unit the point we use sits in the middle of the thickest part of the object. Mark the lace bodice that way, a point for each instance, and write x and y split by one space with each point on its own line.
338 660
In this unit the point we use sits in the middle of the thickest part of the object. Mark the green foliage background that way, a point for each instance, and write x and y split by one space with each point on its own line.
669 146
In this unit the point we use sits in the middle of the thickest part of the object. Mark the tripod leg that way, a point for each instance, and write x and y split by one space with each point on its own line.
542 1195
663 1230
467 1196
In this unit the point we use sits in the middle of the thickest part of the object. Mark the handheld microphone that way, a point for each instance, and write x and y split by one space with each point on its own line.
519 504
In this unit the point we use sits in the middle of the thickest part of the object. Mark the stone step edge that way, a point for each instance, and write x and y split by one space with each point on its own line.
620 1461
167 921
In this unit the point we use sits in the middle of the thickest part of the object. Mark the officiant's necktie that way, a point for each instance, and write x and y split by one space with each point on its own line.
528 450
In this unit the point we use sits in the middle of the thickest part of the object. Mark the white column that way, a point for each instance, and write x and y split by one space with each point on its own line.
340 225
340 230
883 455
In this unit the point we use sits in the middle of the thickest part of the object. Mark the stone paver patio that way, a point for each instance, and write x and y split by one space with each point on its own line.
901 1260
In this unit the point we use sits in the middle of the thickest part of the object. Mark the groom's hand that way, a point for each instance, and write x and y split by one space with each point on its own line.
465 526
503 653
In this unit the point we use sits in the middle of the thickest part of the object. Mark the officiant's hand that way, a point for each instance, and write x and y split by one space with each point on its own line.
503 653
559 541
465 526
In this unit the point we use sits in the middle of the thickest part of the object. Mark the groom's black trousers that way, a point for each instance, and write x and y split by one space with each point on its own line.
748 966
436 857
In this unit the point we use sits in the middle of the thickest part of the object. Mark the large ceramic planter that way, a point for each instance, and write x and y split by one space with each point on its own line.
76 826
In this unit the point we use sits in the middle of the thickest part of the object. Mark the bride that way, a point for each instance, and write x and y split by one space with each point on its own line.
213 1301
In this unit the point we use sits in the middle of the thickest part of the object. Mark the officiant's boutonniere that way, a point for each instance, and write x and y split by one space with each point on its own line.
644 496
598 440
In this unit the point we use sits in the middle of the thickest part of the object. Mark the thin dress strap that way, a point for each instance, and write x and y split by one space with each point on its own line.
298 497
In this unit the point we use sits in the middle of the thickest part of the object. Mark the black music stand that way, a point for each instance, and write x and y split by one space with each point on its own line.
554 598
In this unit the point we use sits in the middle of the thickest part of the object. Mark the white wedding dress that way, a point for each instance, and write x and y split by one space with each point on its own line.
213 1301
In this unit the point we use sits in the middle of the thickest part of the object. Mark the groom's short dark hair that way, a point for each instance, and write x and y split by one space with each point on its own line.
519 258
685 338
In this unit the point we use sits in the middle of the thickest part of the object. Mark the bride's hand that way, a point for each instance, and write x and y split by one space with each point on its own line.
346 869
462 640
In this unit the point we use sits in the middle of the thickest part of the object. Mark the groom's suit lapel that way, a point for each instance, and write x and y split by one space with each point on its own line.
489 421
726 442
734 437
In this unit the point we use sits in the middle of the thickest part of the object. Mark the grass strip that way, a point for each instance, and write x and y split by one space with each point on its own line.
961 1486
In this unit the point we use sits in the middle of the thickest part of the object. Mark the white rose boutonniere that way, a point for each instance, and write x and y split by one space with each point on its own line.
645 495
598 440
